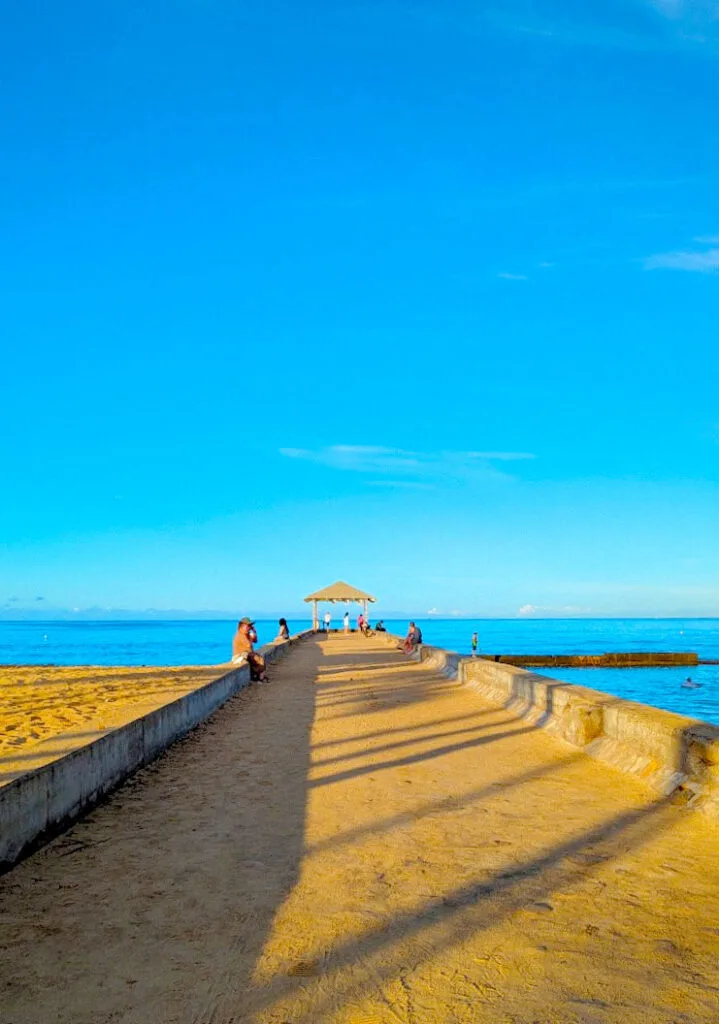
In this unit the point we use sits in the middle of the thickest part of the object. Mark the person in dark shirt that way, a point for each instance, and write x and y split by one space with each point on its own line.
413 639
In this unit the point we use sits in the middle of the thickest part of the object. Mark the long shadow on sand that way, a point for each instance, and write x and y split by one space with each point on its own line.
159 901
391 949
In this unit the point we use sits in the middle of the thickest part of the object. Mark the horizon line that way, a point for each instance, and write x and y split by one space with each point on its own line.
267 616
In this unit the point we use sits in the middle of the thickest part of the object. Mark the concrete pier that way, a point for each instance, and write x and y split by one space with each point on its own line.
365 839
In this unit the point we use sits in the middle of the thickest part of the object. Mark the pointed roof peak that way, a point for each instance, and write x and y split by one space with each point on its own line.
340 591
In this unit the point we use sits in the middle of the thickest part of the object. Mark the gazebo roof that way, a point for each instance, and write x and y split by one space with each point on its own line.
340 591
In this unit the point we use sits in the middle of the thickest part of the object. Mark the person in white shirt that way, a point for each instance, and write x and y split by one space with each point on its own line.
328 620
347 622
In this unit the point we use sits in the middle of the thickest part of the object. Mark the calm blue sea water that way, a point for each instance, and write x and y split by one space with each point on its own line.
208 643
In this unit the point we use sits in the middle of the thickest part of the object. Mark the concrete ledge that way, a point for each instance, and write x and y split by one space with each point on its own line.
446 662
38 805
573 713
646 742
667 751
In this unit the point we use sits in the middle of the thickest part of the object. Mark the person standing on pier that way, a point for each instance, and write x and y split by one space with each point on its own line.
328 621
347 622
475 643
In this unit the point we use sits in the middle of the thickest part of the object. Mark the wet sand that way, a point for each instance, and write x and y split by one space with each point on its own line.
47 711
364 841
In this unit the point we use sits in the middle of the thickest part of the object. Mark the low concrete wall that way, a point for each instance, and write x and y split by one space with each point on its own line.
666 750
570 712
446 662
38 805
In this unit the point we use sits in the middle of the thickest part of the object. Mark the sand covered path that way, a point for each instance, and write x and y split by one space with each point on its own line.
365 841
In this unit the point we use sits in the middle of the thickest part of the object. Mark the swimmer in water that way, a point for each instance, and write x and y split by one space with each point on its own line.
689 684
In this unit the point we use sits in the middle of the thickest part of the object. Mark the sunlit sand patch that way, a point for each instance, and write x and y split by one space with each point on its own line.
46 711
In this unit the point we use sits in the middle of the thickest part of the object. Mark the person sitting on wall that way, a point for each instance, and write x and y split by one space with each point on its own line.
413 639
243 650
379 628
284 633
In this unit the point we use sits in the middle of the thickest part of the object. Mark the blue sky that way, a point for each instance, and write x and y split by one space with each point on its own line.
424 296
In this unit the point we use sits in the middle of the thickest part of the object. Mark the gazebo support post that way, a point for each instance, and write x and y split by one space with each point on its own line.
315 621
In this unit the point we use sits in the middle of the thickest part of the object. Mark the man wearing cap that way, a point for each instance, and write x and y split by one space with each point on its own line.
243 650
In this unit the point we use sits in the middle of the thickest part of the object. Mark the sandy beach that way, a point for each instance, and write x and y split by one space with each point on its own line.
47 711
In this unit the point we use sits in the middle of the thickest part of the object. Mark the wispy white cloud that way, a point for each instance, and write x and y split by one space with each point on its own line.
551 610
639 25
412 485
398 467
642 25
689 22
500 456
513 277
669 8
358 458
697 261
695 10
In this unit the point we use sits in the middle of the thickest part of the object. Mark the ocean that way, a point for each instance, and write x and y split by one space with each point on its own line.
204 642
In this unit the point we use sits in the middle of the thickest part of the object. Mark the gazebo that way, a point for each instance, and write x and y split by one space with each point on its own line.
338 593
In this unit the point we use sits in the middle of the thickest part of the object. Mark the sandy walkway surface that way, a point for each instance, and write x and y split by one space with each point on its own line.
364 841
46 711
